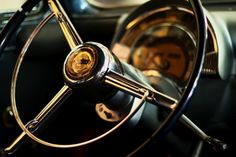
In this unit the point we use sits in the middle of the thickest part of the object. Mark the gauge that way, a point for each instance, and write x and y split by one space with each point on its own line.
159 41
167 48
162 43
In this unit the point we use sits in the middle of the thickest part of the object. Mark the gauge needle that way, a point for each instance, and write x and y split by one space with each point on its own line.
149 59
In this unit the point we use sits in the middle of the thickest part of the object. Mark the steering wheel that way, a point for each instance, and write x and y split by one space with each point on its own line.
91 66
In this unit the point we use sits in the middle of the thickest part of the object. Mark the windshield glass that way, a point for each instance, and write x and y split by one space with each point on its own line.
10 5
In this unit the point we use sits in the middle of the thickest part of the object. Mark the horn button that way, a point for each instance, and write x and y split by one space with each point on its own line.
81 63
87 63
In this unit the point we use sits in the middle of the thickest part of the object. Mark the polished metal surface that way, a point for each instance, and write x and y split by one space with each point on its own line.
136 89
87 63
211 64
49 108
80 63
211 61
67 27
154 41
78 59
215 143
125 44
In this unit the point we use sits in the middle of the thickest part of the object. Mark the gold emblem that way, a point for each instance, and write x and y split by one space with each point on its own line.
81 63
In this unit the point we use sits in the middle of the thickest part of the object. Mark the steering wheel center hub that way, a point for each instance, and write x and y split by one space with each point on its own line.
80 63
86 64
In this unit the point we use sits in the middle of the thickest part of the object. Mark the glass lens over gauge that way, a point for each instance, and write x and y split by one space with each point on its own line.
160 43
167 49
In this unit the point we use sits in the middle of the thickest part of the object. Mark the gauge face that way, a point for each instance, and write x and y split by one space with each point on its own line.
167 49
161 43
164 58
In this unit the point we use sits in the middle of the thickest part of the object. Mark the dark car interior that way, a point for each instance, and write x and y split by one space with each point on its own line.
88 78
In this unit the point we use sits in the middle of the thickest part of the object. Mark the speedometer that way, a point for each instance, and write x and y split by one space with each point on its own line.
161 43
160 40
167 48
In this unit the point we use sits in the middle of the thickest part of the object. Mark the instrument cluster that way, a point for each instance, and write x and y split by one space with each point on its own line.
161 42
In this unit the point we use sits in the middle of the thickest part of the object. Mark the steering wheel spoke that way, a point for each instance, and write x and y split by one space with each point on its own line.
55 102
138 90
66 25
49 109
41 117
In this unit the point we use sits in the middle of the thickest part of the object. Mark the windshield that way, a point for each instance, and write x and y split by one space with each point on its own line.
10 5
